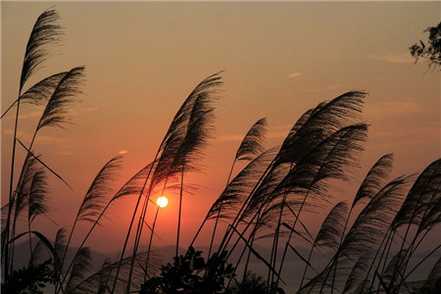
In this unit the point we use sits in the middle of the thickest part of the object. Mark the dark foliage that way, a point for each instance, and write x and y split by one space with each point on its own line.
30 280
431 49
190 273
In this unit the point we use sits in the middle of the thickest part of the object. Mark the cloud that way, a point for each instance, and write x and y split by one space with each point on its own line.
122 152
400 58
230 137
90 109
50 140
276 132
294 75
406 107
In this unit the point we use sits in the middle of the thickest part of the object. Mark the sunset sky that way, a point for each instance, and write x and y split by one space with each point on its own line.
279 59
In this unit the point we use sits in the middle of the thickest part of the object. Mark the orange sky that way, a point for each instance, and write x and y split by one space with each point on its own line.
279 59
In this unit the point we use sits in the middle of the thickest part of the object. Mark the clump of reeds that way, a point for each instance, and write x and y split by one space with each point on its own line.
266 198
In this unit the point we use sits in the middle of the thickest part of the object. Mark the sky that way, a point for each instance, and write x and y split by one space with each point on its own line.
279 59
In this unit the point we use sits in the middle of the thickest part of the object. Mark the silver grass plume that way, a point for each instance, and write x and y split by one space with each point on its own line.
37 195
59 248
252 143
42 90
56 108
102 278
373 221
241 185
81 266
331 228
93 200
433 279
177 131
374 179
319 123
423 194
45 31
357 280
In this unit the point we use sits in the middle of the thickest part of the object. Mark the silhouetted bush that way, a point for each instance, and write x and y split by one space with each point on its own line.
190 273
29 280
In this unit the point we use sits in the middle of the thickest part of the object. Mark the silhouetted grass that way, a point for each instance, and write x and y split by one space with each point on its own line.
266 199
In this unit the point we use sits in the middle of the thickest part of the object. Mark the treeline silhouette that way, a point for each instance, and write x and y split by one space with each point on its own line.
370 243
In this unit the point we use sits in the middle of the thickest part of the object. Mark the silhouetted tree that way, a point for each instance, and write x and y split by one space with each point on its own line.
431 49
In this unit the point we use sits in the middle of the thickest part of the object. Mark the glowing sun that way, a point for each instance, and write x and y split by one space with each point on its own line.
162 201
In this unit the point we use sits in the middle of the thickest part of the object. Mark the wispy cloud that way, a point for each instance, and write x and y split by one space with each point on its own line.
122 152
400 58
294 75
394 108
65 153
230 137
276 132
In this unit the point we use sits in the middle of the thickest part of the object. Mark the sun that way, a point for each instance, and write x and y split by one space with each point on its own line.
162 201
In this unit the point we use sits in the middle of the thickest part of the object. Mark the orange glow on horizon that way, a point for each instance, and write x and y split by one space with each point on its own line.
162 201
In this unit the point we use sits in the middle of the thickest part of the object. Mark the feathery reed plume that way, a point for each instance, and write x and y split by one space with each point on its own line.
182 143
371 184
309 131
252 143
374 179
152 233
332 227
433 279
196 137
21 199
164 157
397 263
93 200
81 265
319 123
263 193
37 196
184 139
250 147
43 89
177 132
374 219
198 132
356 281
101 279
132 187
36 253
419 198
329 233
45 31
234 193
327 161
39 92
422 196
432 216
56 108
36 201
23 191
55 112
324 162
372 223
312 128
59 248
